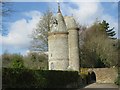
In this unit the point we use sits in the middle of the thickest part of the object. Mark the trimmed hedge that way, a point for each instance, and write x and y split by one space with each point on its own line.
25 78
117 81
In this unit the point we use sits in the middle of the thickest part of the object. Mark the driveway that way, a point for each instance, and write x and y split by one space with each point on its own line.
101 85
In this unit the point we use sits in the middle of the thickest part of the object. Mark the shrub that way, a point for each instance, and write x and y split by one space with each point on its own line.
12 60
17 62
117 81
36 61
87 76
17 78
25 78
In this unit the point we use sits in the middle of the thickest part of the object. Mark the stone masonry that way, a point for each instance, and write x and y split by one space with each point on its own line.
63 44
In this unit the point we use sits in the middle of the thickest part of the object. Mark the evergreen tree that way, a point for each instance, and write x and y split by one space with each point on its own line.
109 31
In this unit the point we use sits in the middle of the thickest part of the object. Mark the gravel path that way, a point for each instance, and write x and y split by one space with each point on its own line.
98 85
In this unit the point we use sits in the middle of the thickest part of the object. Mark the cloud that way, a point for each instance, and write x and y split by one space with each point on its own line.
62 0
86 13
18 37
33 14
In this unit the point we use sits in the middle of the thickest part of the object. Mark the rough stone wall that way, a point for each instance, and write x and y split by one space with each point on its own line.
73 50
58 51
72 43
105 75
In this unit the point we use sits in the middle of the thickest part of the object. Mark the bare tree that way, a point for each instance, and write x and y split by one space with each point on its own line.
36 61
40 35
98 50
5 11
5 8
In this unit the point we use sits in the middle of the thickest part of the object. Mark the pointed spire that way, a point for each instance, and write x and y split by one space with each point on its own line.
59 8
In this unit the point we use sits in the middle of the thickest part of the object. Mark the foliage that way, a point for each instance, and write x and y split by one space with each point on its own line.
40 34
117 81
118 48
6 59
19 78
6 8
17 61
84 75
5 11
88 76
36 61
15 78
12 60
31 61
105 27
85 78
84 71
97 50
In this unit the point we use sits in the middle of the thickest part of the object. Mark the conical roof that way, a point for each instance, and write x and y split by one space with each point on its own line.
61 23
70 22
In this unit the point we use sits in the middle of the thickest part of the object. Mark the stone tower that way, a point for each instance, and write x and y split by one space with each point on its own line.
73 43
58 44
63 44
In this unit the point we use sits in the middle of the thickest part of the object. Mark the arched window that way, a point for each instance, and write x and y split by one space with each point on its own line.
52 66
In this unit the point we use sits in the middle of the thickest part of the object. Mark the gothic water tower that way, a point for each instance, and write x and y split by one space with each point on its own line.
58 44
63 44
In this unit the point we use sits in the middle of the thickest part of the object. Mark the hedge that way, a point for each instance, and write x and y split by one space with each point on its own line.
26 78
117 81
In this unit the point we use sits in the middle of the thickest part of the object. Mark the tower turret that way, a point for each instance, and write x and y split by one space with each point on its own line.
73 43
58 44
61 22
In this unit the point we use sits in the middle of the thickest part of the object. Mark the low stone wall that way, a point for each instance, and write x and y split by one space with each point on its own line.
105 75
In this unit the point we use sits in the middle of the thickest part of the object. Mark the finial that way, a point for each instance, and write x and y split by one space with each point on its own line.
59 7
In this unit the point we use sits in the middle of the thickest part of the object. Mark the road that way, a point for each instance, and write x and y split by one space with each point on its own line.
98 85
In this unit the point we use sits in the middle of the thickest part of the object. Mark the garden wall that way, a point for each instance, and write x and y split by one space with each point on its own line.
105 75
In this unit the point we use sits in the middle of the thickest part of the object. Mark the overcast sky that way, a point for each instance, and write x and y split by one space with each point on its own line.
27 15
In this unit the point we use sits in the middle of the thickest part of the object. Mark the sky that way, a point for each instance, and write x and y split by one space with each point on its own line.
23 21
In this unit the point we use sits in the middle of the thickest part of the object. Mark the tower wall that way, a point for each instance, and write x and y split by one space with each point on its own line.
58 51
73 49
73 43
